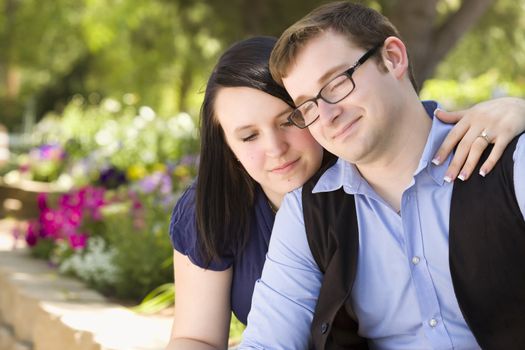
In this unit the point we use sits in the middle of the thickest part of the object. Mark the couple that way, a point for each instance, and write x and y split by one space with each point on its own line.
368 260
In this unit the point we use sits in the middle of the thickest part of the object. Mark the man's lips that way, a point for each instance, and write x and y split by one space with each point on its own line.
345 128
283 168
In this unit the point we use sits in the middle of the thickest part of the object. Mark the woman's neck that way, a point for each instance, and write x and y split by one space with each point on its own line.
274 199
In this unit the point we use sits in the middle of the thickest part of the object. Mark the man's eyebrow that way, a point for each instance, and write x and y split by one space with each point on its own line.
322 81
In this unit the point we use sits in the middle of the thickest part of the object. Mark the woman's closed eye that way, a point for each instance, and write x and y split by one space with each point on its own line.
249 138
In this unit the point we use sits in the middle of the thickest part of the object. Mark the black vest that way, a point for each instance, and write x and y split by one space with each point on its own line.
486 256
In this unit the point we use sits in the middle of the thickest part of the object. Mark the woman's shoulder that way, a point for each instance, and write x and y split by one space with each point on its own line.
183 224
184 232
183 214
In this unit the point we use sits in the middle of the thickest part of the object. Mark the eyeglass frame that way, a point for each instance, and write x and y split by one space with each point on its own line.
348 73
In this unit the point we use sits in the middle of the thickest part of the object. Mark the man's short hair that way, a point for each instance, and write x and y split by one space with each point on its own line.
362 25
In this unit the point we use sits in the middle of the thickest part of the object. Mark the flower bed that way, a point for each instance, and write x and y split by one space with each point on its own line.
123 168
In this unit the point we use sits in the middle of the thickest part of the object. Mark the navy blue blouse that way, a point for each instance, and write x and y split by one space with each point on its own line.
247 264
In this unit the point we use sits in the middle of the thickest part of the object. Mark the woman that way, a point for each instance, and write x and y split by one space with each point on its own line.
250 157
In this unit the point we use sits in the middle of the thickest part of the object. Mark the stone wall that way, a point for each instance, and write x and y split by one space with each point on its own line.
40 310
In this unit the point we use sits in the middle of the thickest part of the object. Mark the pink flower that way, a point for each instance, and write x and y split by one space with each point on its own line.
42 201
32 233
78 240
52 222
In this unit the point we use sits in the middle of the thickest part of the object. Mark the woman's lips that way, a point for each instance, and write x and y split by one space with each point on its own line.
284 168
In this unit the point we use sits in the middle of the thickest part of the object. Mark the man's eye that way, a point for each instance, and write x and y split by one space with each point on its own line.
307 108
338 85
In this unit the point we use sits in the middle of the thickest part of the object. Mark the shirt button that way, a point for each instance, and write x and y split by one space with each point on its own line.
324 327
433 322
416 260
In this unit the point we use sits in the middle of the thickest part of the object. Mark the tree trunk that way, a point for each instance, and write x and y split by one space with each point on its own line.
185 87
427 42
10 78
254 12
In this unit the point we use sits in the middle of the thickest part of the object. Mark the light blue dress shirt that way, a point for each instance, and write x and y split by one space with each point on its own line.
403 295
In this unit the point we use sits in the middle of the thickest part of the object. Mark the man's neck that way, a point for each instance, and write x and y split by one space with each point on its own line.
391 173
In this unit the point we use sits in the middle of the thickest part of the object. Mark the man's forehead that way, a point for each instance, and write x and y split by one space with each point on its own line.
318 61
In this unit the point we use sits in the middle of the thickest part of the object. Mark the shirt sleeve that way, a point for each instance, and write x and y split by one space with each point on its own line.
519 173
286 294
183 232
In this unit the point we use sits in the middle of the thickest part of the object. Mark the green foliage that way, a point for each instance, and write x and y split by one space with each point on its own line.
497 42
162 51
43 249
453 94
115 237
158 299
236 329
119 134
142 248
108 47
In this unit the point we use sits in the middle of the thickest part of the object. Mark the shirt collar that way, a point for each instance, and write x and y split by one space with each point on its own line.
438 132
346 175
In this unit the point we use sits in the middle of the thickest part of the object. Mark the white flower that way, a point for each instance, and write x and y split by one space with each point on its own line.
147 113
95 264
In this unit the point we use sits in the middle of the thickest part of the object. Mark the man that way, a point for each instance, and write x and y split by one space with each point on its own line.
378 250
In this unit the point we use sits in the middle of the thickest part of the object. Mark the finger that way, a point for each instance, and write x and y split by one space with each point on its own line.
476 150
455 135
449 117
460 156
493 157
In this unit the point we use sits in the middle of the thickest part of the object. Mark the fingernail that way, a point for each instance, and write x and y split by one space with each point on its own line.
462 176
437 110
447 179
482 172
436 160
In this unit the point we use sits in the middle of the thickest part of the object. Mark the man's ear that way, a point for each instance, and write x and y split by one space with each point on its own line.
395 56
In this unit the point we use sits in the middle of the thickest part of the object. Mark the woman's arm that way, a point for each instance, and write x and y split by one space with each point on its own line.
202 307
502 119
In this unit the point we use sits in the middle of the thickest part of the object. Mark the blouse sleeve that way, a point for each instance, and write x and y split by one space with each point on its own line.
183 232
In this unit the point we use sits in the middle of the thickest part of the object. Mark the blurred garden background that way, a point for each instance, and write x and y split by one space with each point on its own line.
101 98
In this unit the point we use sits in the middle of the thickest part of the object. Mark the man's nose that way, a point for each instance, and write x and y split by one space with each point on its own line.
328 112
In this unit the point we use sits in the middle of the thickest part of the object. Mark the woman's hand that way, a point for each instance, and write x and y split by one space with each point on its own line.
500 120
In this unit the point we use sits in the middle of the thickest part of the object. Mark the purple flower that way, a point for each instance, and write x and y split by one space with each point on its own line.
149 183
190 160
112 178
157 181
51 152
165 184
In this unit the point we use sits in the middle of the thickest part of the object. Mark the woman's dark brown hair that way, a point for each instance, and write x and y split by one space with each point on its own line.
225 191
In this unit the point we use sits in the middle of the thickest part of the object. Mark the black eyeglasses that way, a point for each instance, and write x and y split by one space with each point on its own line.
333 92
